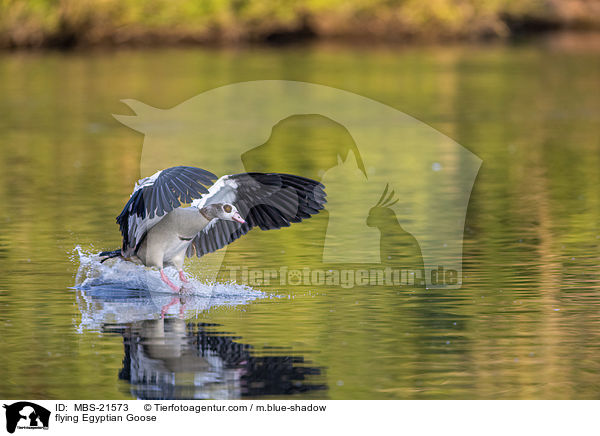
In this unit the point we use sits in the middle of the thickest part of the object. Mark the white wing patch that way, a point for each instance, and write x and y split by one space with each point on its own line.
146 181
223 191
138 226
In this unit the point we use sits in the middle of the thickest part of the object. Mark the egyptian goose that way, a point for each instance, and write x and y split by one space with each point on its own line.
158 232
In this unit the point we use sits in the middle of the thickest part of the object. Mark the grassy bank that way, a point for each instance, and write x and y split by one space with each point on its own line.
64 23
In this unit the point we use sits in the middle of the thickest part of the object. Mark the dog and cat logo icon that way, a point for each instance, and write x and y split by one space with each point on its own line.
26 415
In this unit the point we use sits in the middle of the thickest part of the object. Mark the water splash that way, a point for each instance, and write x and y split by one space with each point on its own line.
117 292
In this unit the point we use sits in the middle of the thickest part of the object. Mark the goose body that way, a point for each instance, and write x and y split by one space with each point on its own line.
158 232
166 243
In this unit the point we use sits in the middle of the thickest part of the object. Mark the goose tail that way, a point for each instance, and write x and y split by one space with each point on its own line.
110 254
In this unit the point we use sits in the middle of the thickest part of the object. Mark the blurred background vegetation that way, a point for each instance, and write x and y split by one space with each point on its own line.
65 23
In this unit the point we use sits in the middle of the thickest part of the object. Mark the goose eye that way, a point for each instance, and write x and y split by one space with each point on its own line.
227 208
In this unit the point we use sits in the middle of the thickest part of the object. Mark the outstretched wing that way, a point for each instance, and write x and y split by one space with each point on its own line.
268 201
155 196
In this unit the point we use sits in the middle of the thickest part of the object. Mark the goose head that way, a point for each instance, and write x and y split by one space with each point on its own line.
223 211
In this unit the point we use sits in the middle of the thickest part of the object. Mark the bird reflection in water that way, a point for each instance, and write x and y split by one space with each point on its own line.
166 357
169 359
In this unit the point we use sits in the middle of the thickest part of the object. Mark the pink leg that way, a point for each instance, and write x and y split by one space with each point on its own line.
165 308
182 277
165 279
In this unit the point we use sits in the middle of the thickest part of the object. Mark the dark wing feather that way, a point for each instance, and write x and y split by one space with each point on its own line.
157 195
268 201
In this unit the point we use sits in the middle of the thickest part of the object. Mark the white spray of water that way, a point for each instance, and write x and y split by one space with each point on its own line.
117 291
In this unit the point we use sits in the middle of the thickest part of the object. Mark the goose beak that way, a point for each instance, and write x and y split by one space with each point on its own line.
238 218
